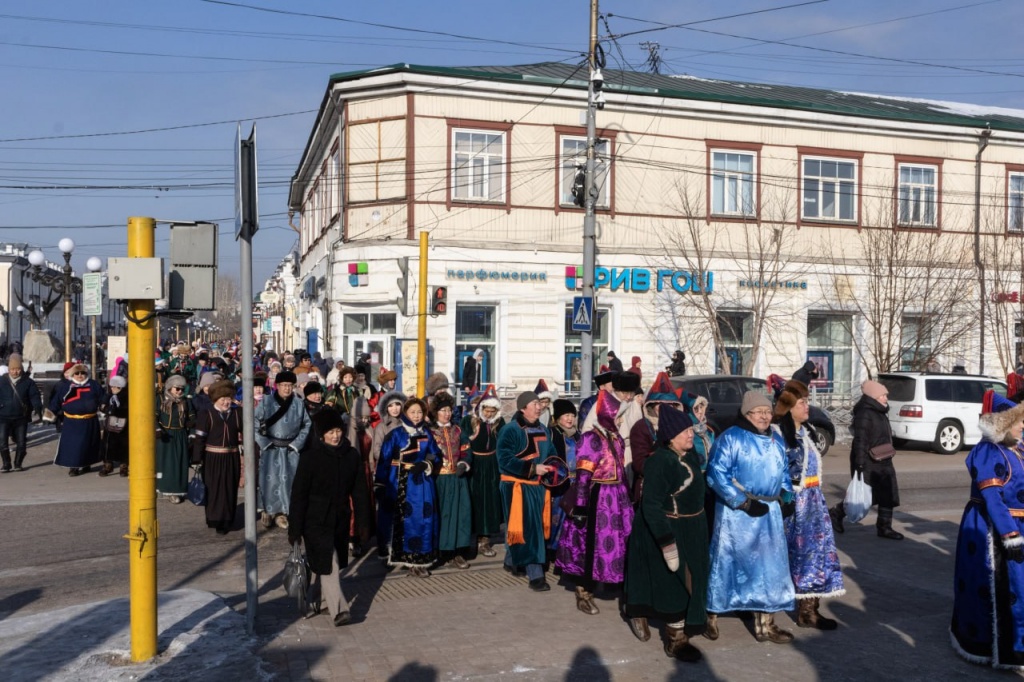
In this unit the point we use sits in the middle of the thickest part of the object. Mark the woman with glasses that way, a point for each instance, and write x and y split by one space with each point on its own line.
78 400
172 456
749 555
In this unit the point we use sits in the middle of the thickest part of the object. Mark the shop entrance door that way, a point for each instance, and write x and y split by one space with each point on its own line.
376 346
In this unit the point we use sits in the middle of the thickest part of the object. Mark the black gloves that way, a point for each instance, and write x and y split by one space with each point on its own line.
788 509
1014 553
754 507
418 467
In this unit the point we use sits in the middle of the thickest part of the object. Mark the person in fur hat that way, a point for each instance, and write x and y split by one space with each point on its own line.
480 434
115 427
343 396
390 405
282 427
603 382
988 617
871 430
173 422
217 448
78 400
813 559
565 438
643 436
453 501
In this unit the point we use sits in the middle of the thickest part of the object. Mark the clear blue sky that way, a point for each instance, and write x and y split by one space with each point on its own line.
87 70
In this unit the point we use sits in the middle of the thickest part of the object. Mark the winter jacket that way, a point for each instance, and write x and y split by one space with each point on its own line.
19 398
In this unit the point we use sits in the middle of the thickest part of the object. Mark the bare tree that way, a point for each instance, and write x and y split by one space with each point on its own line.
1004 271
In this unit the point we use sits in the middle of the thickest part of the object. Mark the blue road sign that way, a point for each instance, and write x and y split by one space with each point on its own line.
582 313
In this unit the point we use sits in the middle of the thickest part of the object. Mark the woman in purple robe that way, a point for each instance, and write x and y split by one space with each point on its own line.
592 550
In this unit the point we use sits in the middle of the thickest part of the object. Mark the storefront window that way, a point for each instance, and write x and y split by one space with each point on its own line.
830 348
475 328
574 348
737 332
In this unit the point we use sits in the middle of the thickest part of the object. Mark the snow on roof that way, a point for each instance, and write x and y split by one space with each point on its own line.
958 108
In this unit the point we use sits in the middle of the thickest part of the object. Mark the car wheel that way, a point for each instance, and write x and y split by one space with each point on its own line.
821 441
949 437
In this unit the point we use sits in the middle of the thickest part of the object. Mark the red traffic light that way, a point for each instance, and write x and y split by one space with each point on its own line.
439 301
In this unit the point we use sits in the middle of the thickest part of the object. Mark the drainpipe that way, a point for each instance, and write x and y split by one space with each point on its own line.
978 262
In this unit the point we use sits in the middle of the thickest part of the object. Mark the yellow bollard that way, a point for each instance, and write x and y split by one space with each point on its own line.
143 527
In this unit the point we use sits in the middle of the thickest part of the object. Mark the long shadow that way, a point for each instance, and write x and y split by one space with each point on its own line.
11 604
415 672
587 666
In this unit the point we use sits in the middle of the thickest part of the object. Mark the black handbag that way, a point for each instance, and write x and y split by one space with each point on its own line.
197 488
296 577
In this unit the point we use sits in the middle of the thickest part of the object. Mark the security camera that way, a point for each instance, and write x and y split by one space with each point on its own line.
599 100
597 78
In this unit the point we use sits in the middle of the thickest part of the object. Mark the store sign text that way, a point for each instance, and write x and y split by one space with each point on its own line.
1006 297
771 284
497 275
643 280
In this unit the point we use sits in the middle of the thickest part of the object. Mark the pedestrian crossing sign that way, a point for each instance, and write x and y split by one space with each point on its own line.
582 313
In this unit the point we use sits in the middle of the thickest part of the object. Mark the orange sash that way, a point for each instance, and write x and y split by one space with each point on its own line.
515 534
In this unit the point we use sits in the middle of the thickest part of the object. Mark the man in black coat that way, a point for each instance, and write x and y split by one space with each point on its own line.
19 397
328 475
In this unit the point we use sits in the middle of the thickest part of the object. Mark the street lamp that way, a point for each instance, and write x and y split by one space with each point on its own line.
64 283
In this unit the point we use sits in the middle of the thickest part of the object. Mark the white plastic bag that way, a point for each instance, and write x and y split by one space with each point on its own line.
858 499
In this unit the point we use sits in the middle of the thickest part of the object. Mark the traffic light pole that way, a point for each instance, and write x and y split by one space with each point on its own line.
421 316
589 221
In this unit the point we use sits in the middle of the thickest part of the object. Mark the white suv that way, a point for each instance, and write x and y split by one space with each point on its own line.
939 408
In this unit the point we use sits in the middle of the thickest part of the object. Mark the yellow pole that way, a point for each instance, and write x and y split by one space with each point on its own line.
143 528
421 341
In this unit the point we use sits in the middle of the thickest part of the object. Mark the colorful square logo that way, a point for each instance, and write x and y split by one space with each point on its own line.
358 274
573 277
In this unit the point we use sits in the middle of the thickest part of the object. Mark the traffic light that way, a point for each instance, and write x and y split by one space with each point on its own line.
439 301
403 285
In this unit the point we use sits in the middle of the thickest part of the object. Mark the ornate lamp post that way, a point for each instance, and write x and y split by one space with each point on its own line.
64 283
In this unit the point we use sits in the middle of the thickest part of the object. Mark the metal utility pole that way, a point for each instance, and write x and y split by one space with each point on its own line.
421 316
589 221
978 261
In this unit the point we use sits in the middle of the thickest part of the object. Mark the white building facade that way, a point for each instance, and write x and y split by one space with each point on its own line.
752 227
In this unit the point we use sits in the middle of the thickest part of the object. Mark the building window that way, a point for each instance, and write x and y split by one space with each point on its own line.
732 183
475 327
574 348
829 189
830 348
918 193
1015 220
737 333
574 159
915 344
478 162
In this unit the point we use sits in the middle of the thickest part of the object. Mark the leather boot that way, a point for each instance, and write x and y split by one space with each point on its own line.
884 525
836 515
712 628
19 461
108 468
805 613
765 629
677 646
640 629
821 622
6 457
585 602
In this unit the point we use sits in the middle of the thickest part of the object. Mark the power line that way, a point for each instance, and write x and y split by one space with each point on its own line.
664 27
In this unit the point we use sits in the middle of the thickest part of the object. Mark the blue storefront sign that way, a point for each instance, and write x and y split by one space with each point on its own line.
642 280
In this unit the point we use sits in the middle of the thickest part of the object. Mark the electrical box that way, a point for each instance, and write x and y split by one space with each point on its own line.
140 279
192 281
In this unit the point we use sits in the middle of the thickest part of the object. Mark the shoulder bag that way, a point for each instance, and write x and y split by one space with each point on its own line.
882 453
197 488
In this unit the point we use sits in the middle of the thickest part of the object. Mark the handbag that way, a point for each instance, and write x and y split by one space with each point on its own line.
567 503
197 488
296 577
858 499
116 424
882 453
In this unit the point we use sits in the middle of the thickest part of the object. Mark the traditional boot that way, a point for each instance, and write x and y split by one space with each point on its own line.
677 646
884 525
108 468
712 627
765 629
484 547
123 471
640 629
836 515
585 602
823 623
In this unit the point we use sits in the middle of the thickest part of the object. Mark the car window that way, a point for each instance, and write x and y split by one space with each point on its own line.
753 385
996 386
968 391
724 392
901 389
939 390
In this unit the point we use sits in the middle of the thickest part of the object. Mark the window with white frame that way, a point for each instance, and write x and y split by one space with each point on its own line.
574 158
1015 200
830 189
918 195
733 183
478 163
476 328
915 343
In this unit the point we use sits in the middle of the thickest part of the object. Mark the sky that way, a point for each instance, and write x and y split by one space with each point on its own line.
114 109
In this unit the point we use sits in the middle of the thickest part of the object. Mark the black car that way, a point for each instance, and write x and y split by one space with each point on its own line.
724 393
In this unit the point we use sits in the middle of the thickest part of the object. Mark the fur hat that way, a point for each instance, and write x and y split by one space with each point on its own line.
792 392
524 399
626 382
998 415
441 401
562 406
224 388
175 380
326 420
78 367
208 379
543 391
259 379
117 382
346 370
753 400
285 377
14 361
388 398
387 375
436 382
312 388
605 377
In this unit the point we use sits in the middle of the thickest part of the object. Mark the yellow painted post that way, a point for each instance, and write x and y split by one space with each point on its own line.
421 341
143 528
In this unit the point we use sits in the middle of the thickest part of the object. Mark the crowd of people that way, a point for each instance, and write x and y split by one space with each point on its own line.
631 495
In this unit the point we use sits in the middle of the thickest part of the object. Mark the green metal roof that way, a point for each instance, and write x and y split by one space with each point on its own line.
550 74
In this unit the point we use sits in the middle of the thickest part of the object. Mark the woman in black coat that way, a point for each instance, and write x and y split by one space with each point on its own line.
871 429
328 474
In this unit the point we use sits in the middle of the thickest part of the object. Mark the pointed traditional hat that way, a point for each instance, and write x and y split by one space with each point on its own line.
543 391
662 391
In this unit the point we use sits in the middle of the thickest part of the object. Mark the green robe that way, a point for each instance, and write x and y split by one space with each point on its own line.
520 447
488 512
672 485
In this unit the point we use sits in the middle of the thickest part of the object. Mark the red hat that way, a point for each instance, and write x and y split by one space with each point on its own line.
67 366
